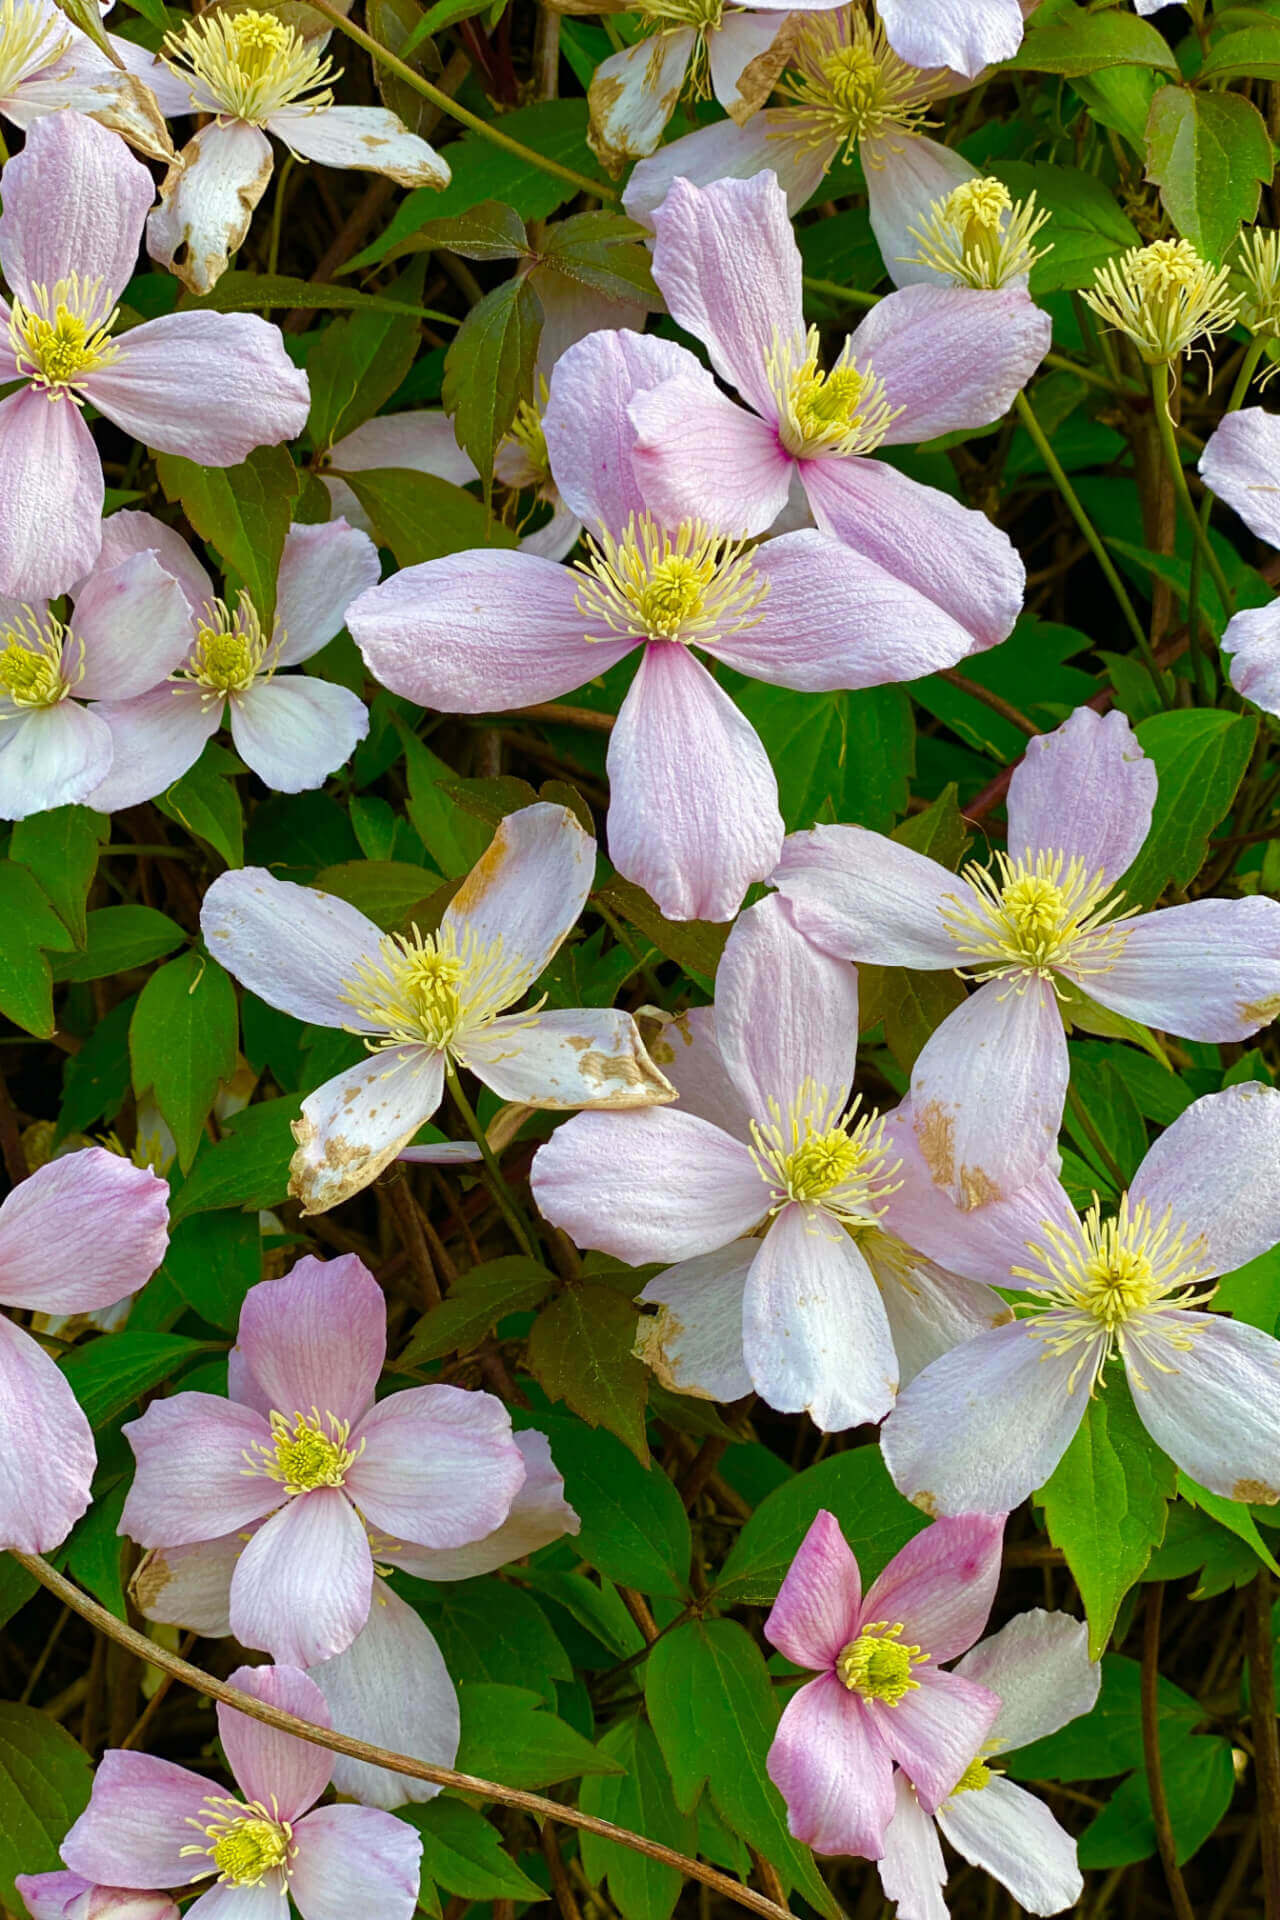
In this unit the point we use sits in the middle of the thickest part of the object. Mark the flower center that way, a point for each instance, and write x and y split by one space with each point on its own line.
424 989
690 586
249 1842
1032 916
847 84
230 650
842 411
979 236
1258 262
250 65
1163 297
29 40
33 672
527 442
814 1154
61 334
878 1664
975 1776
307 1451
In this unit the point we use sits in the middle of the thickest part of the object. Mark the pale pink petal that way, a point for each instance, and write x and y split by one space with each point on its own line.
906 174
634 92
208 386
172 95
226 1901
941 1585
317 1338
527 889
965 35
322 570
913 1872
526 639
1241 464
1011 1835
745 55
728 266
988 1089
51 490
68 1896
155 739
81 1233
690 1057
136 627
700 456
51 757
951 554
539 1514
862 896
1213 1405
694 1342
268 1765
819 1602
303 1586
294 947
556 538
1086 790
934 1731
423 440
1039 1667
985 1425
391 1687
355 1861
192 1482
355 1124
833 1770
47 1454
786 1014
75 199
724 151
1209 969
1252 639
439 1466
295 731
588 426
138 1824
1216 1170
370 138
653 1185
207 201
569 1057
929 1309
951 358
189 1586
694 815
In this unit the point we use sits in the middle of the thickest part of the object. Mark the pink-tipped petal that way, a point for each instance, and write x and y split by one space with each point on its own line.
694 1342
295 947
786 1013
317 1338
1216 1171
155 739
913 1872
47 1455
935 1731
906 174
191 1482
1011 1835
207 201
1241 464
700 456
438 1466
269 1765
1038 1666
951 358
941 1584
355 1863
136 627
862 896
833 1770
1086 791
569 1057
75 199
355 1125
302 1587
724 151
295 731
527 889
51 492
819 1602
587 421
965 35
322 570
1213 1405
391 1687
1209 970
815 1335
539 1514
81 1233
137 1827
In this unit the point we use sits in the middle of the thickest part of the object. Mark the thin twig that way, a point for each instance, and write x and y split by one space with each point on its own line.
1266 1737
996 702
1182 1907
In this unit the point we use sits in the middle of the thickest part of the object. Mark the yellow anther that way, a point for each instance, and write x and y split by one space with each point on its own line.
843 411
1258 264
814 1154
878 1664
249 1841
249 65
61 333
1032 916
974 1777
426 989
39 661
1164 297
979 236
846 84
690 585
306 1451
230 650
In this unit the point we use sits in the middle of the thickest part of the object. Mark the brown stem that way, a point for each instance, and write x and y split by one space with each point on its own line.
15 1159
638 1607
1266 1737
409 1223
317 1736
1004 708
1182 1907
561 1885
561 715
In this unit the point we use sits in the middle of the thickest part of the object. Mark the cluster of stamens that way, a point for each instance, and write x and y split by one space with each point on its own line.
423 989
249 65
846 85
975 1776
230 650
701 17
249 1841
306 1451
40 662
61 334
878 1663
692 585
1258 264
1164 297
815 1155
979 236
522 459
32 37
1035 915
842 411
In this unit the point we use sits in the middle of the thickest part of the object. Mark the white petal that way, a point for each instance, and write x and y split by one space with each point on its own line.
905 175
295 731
694 1342
154 739
295 947
1013 1836
1213 1406
367 137
206 204
1039 1665
354 1126
51 757
527 890
571 1057
322 569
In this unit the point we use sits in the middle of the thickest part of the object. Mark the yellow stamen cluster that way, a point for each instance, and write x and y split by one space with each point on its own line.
249 65
306 1451
979 236
814 1155
691 585
523 460
1035 915
1258 264
975 1776
425 989
39 661
249 1841
878 1663
846 85
31 38
1164 297
842 411
61 333
230 650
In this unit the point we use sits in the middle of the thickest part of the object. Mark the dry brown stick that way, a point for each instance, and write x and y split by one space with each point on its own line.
1266 1737
1182 1907
414 1241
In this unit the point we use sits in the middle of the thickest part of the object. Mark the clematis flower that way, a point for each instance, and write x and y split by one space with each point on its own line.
925 361
301 1446
69 1896
881 1696
293 729
77 1234
256 75
425 1002
764 1143
47 65
976 236
988 1088
986 1424
391 1686
128 631
1241 464
152 1823
1039 1667
208 386
694 814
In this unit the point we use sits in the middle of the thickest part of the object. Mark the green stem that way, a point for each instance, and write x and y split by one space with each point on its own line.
277 214
442 100
501 1191
1248 367
852 296
1173 459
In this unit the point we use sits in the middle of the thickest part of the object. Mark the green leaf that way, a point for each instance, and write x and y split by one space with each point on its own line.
634 1526
95 1549
580 1352
248 1167
251 292
213 1263
30 927
1071 41
1086 226
940 832
357 364
385 890
1105 1503
1200 757
85 15
1209 154
108 1374
182 1044
463 1853
603 251
244 512
421 517
118 938
694 945
1251 53
61 849
912 1007
45 1778
206 803
1108 1739
491 1631
489 231
488 369
477 1300
507 1736
640 1799
95 1081
1199 1781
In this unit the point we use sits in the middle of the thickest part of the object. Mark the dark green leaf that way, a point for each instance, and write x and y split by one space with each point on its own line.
634 1526
1209 154
108 1374
477 1300
580 1352
182 1043
118 938
463 1853
1200 757
248 1167
61 849
507 1736
488 369
640 1799
45 1779
421 517
244 512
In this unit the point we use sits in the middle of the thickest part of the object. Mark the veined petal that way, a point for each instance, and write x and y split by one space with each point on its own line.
189 1586
700 456
269 1765
208 200
391 1687
1241 462
295 731
371 138
860 895
303 1586
929 1309
317 1338
819 1602
538 1515
51 757
587 421
295 947
527 889
941 1585
906 173
438 1466
75 199
746 54
934 1731
1213 1405
633 94
1216 1170
694 1342
191 1483
786 1013
154 740
423 440
47 1455
136 627
965 35
323 568
1209 969
690 1057
951 358
1252 639
51 489
565 1058
1086 790
1039 1667
833 1770
138 1823
913 1872
355 1125
1011 1835
354 1858
128 532
81 1233
724 151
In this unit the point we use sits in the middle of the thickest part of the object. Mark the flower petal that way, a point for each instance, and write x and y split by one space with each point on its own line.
295 731
294 947
700 456
1216 1170
207 202
371 138
75 199
1252 639
1039 1667
951 358
929 1309
191 1482
439 1466
355 1125
155 739
694 1342
51 757
539 1514
1213 1405
905 175
136 1828
51 490
189 1586
746 54
127 532
724 151
913 1872
423 440
1086 790
354 1860
965 35
819 1602
934 1732
1241 464
1209 970
690 1056
226 1901
941 1585
832 1769
81 1233
47 1455
694 815
1009 1834
587 421
322 570
303 1586
269 1765
317 1338
527 889
786 1013
862 896
568 1057
633 94
136 627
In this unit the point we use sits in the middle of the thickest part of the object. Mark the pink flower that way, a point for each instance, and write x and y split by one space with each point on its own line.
426 1002
391 1685
302 1445
1039 1667
764 1137
69 1896
694 813
924 362
1241 464
881 1696
47 65
293 729
128 631
988 1088
152 1824
986 1424
79 1234
208 386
